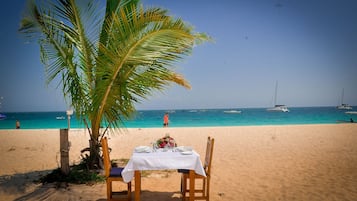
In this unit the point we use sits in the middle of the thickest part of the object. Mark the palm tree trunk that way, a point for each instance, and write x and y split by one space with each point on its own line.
94 147
94 156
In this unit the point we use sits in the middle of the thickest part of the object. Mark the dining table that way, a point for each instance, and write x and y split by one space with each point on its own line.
162 159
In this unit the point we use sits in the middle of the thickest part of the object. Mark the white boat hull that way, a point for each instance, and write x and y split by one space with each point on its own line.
232 111
344 107
280 108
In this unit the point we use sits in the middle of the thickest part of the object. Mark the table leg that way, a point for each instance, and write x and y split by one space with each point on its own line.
137 185
192 185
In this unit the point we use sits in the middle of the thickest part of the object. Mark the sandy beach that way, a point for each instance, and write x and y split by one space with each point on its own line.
250 163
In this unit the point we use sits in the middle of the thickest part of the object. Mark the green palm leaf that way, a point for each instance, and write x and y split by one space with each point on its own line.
108 57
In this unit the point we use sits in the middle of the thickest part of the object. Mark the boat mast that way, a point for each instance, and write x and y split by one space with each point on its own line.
342 95
1 98
276 92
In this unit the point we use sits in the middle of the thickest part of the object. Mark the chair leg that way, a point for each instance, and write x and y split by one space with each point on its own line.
204 189
207 189
129 191
182 188
109 190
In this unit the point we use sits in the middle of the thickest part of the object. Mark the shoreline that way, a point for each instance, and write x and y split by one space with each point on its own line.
338 122
278 162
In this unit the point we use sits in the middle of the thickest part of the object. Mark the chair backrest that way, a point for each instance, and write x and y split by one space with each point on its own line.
106 158
209 154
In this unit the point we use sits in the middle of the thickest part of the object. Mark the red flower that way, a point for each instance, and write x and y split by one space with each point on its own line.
162 142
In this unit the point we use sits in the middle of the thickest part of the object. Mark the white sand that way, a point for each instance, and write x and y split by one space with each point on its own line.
250 163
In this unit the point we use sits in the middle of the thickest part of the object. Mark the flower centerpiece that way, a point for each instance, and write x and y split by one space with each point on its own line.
166 141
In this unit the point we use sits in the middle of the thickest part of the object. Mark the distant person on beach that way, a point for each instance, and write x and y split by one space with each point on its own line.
166 119
351 120
17 124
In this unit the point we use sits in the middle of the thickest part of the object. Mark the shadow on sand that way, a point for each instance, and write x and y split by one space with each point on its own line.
18 183
21 187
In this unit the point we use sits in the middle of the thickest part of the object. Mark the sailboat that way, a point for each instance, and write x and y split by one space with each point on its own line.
343 106
277 108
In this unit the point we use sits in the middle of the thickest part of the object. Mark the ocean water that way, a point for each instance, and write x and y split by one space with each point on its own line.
189 118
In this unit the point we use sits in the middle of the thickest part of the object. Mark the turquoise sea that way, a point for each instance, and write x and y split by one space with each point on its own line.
190 118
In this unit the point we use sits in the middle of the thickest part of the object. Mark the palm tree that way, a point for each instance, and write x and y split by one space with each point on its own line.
108 56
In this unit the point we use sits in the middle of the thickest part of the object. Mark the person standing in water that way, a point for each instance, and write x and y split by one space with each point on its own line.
166 119
17 124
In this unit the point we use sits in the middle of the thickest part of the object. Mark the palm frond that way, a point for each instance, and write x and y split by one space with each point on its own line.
142 47
109 59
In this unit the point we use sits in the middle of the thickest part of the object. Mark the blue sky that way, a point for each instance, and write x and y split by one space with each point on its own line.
308 46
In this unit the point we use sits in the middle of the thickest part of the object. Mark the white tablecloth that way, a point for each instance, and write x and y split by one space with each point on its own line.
162 161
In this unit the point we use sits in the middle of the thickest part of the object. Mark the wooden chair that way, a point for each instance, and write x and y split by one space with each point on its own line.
112 173
201 193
